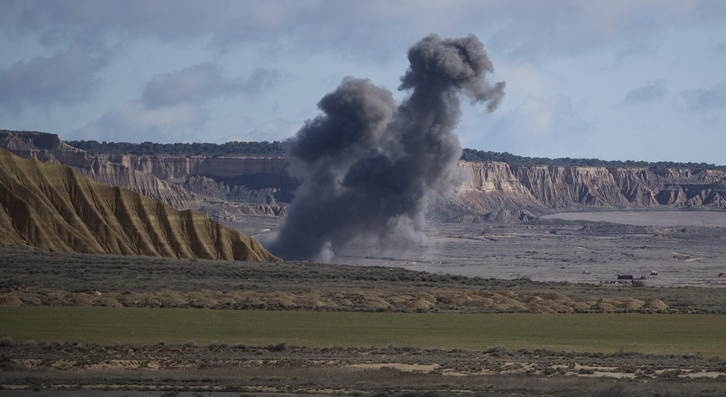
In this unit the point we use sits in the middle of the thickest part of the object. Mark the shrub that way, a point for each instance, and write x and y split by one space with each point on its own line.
614 391
278 347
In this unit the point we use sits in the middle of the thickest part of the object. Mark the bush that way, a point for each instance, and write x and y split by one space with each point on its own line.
278 347
615 391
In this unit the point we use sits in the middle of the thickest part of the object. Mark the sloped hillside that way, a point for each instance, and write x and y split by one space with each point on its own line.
223 188
49 206
230 187
496 185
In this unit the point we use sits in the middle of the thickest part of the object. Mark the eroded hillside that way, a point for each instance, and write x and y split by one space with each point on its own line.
496 185
51 207
224 188
229 187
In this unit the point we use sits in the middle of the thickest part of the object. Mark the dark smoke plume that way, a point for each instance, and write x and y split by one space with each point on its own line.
368 167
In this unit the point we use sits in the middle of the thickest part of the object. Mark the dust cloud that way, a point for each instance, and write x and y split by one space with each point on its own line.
368 166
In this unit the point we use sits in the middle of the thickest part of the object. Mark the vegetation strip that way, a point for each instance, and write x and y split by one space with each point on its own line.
606 333
277 148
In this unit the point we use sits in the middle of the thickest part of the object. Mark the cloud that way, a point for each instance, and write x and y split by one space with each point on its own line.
540 125
651 91
540 29
173 106
64 77
194 84
199 83
573 47
135 122
364 28
701 99
260 81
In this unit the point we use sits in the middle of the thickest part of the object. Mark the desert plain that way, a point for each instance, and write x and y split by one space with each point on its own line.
563 264
686 248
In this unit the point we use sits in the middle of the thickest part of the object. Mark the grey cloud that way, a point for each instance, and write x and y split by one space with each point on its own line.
539 30
542 124
177 20
260 80
66 76
706 99
199 83
194 84
135 122
173 105
362 29
651 91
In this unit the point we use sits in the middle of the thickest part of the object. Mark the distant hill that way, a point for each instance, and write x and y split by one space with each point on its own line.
277 148
504 157
498 187
51 207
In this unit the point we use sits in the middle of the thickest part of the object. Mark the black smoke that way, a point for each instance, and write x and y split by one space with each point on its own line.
368 166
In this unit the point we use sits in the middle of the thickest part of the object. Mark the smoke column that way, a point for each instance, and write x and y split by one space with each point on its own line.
368 166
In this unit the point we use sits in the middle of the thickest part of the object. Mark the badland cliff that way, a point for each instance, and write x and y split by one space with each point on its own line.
538 188
51 207
229 186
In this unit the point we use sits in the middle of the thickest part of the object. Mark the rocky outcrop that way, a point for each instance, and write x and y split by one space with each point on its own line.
229 187
51 207
494 186
224 187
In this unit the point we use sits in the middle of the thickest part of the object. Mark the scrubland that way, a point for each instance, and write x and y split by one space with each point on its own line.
538 269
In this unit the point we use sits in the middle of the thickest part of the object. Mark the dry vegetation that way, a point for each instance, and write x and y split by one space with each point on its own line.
555 249
55 279
243 370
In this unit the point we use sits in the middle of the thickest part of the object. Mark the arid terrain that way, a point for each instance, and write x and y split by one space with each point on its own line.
64 369
548 265
686 248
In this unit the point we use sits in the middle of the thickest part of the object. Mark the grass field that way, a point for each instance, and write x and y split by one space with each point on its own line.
606 333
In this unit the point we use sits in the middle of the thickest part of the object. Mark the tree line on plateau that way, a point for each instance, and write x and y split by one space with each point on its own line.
277 148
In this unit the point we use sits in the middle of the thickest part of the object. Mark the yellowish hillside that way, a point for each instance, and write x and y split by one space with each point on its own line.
49 206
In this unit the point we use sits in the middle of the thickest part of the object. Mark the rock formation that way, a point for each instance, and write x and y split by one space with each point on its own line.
228 187
495 185
222 187
51 207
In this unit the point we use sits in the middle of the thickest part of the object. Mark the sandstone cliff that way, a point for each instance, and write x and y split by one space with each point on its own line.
51 207
495 185
223 187
228 187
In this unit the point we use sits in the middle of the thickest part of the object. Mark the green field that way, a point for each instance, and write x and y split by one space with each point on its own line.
606 333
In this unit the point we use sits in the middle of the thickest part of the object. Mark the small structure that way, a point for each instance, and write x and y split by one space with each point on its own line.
625 276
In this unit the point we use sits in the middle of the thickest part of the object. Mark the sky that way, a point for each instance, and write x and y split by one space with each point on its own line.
614 80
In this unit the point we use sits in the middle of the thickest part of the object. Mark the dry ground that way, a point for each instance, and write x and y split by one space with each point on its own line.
570 262
687 248
280 370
